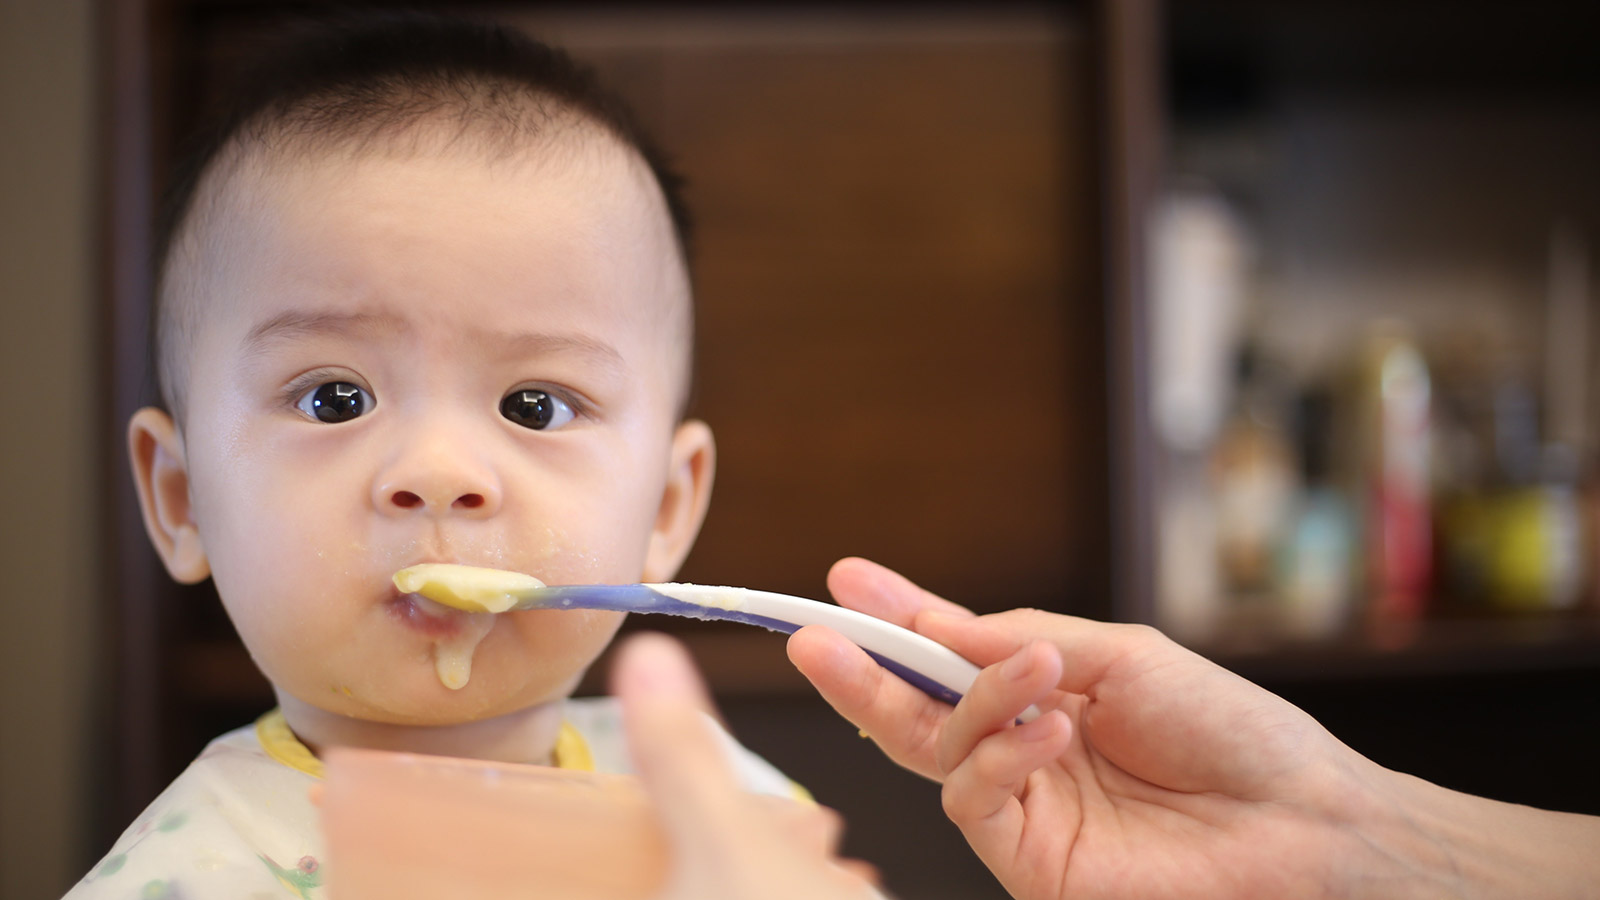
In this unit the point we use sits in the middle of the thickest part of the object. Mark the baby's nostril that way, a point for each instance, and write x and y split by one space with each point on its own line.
406 500
470 501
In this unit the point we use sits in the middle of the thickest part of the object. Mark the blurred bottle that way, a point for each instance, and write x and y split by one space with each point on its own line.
1397 398
1254 476
1536 558
1512 530
1465 469
1567 431
1537 554
1316 560
1200 267
1513 555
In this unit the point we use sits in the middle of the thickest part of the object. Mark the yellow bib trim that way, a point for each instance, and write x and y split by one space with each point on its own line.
281 744
571 750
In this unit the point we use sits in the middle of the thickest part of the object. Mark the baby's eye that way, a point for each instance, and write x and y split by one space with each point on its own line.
335 401
533 408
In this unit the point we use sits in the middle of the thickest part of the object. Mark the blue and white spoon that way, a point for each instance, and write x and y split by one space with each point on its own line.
931 667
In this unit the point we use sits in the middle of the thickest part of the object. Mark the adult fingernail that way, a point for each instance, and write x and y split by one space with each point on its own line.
937 618
659 667
1018 666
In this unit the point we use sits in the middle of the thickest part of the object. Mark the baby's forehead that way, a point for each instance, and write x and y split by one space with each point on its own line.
263 175
290 186
484 99
441 141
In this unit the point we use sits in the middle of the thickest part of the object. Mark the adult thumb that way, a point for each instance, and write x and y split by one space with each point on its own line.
676 751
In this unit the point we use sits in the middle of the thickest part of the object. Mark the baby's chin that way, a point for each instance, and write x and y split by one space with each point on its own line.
425 710
526 660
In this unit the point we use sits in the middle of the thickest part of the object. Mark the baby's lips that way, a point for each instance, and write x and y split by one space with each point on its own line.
425 616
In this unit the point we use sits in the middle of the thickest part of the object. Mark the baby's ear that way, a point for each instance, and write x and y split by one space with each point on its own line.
162 476
692 465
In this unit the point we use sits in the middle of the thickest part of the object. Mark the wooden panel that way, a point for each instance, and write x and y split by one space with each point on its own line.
134 577
1131 139
900 326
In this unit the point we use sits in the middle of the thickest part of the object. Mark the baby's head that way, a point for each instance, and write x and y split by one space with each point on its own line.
424 299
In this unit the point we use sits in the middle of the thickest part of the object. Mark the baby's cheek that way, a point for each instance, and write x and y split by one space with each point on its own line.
561 557
553 645
574 566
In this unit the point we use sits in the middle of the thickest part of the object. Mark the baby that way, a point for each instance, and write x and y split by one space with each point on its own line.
423 297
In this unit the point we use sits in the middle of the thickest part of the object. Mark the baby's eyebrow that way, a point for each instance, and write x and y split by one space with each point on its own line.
539 344
294 323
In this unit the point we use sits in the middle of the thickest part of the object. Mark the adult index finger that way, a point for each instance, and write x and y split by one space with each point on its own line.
1090 650
903 721
997 697
881 592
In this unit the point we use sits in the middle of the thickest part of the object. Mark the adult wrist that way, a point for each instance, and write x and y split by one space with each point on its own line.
1379 844
1449 844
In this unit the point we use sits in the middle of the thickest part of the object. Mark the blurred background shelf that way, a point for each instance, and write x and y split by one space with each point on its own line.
1369 352
1431 649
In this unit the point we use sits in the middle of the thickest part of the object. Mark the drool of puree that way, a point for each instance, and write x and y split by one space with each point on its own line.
452 656
482 592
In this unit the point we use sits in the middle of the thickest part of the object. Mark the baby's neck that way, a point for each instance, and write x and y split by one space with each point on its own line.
525 736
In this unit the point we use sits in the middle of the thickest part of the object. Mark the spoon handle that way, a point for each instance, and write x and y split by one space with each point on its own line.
931 667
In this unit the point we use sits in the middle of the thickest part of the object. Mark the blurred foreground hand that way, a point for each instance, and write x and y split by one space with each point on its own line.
723 841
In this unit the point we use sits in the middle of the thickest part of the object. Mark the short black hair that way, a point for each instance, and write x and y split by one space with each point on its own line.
366 75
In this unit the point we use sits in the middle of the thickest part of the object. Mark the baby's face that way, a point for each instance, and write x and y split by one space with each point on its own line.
431 359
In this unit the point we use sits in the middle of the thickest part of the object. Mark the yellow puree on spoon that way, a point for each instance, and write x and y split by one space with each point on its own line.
473 590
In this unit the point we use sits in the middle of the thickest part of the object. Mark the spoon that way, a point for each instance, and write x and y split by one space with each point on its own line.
931 667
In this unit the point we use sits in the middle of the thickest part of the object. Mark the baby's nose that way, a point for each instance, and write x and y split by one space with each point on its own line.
404 499
437 479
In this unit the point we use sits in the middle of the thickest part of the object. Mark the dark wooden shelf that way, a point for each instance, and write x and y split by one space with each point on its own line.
1428 648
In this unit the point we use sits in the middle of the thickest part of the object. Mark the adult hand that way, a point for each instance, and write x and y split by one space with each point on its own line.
723 841
1155 773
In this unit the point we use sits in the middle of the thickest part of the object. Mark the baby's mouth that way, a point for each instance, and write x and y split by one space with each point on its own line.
455 634
427 616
